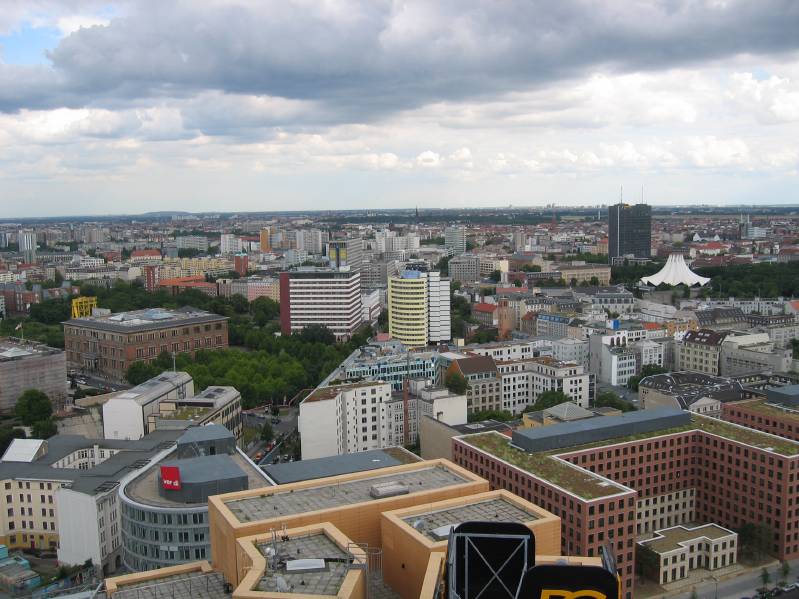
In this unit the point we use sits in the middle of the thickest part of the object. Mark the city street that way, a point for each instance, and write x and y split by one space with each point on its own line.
741 586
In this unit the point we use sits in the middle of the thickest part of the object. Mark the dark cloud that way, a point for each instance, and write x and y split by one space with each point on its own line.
357 61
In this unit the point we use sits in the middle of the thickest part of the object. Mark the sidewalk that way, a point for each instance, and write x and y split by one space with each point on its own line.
651 590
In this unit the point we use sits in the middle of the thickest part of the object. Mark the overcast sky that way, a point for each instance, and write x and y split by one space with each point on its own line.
109 107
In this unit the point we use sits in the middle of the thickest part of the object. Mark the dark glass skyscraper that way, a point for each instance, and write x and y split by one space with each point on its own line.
629 231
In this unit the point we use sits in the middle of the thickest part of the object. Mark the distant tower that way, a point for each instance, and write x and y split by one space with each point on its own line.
629 231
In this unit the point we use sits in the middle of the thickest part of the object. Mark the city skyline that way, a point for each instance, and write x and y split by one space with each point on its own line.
247 106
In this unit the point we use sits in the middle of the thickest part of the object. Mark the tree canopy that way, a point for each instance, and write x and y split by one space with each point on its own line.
608 399
456 383
548 399
33 406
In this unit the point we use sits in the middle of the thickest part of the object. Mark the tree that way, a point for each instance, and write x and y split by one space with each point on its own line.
548 399
138 372
239 303
765 578
317 333
8 434
610 400
754 539
267 434
44 429
498 415
495 276
33 406
594 281
785 570
456 383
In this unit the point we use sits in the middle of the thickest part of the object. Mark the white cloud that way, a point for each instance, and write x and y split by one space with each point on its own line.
428 159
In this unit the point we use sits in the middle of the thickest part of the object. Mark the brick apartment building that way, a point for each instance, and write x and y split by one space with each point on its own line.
107 345
662 468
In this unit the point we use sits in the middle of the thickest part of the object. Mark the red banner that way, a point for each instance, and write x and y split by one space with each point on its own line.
170 477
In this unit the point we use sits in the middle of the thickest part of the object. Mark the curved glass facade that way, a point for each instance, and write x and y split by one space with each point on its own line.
156 537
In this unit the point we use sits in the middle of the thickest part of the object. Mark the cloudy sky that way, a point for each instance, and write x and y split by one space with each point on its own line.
109 107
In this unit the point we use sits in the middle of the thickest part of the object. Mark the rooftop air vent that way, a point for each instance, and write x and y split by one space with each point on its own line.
388 489
305 565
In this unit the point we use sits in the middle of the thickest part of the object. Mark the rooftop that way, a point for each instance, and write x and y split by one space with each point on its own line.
559 472
144 488
670 539
335 494
435 525
292 472
324 393
583 483
147 319
102 477
183 585
688 387
155 388
325 580
12 348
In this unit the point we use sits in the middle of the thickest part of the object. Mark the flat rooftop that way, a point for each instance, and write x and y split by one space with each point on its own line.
434 524
767 408
670 539
147 319
292 472
333 495
185 585
323 393
590 486
12 348
322 581
144 488
571 478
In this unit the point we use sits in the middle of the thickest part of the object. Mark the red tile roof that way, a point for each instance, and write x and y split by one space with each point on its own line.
484 307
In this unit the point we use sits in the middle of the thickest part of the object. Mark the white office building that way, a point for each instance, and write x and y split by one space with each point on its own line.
368 415
455 240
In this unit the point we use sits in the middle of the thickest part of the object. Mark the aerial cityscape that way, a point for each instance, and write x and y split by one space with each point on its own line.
399 300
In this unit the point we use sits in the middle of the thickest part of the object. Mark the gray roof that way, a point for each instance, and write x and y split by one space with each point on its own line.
206 468
590 430
146 320
688 387
208 432
292 472
102 477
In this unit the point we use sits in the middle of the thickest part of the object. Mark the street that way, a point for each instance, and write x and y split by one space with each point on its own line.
741 586
286 427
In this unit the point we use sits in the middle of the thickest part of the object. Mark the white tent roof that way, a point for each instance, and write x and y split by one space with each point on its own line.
675 272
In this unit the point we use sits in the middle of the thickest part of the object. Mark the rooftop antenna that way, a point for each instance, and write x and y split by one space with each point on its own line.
642 195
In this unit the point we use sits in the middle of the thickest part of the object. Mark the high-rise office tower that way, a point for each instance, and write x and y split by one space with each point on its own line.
419 308
27 245
266 239
629 231
455 240
346 253
320 296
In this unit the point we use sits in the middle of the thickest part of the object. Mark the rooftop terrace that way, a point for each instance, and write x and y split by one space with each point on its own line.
437 523
332 495
323 581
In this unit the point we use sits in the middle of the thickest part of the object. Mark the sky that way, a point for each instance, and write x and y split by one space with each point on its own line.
255 105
